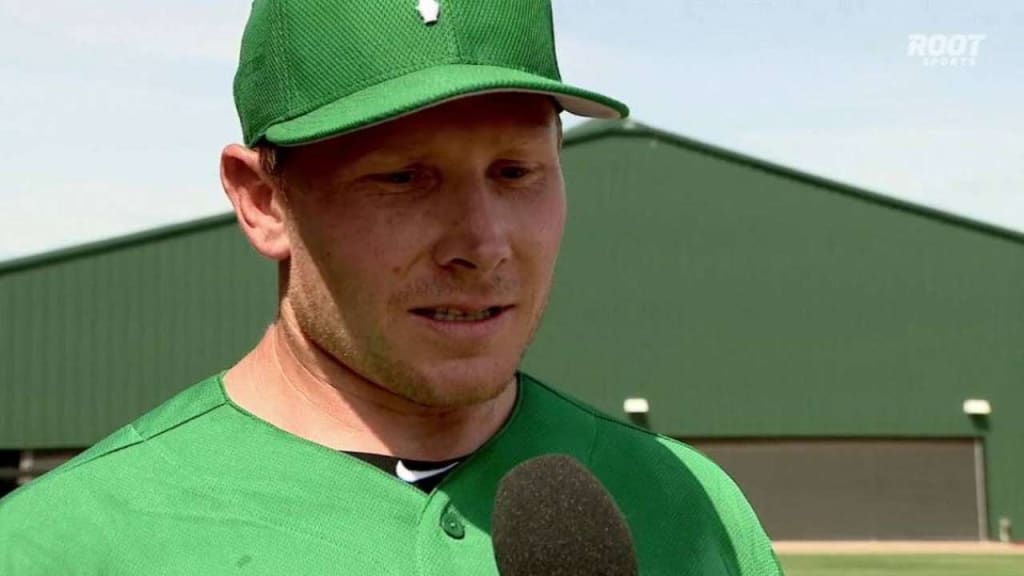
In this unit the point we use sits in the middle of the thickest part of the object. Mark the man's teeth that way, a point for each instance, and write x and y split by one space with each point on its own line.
452 315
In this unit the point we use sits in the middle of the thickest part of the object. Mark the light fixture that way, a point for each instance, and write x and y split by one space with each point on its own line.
977 407
636 406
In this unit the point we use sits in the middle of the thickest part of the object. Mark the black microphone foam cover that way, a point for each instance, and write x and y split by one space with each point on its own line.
552 517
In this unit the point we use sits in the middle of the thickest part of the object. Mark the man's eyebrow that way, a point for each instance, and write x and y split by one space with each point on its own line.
524 144
389 153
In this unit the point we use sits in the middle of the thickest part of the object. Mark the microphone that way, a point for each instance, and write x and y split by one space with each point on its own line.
552 517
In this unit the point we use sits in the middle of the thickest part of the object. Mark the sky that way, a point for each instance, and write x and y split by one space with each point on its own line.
115 111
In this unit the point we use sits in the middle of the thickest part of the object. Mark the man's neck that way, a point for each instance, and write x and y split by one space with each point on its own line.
291 383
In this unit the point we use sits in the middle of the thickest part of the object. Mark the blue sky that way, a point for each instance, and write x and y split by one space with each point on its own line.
116 110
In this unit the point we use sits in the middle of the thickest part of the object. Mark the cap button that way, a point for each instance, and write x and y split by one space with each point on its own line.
452 524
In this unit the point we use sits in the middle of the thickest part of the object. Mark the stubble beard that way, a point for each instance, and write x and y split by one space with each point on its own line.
380 362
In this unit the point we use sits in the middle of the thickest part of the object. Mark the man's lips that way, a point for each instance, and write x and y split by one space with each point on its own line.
461 312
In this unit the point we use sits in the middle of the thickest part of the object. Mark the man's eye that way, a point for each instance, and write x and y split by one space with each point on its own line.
513 172
404 177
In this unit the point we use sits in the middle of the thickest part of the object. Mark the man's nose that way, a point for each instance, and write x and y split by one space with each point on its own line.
476 235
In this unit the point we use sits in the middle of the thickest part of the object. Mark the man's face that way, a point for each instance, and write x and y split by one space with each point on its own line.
422 249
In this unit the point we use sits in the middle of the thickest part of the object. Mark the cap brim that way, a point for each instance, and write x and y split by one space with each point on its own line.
429 87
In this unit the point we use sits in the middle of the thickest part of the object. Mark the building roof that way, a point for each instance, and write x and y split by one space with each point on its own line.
597 129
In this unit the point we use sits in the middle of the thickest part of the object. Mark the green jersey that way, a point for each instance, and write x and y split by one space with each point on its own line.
201 486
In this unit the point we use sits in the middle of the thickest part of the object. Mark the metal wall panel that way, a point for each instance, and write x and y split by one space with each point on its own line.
94 337
857 489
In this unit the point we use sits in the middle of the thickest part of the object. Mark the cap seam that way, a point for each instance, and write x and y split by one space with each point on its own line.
282 37
452 20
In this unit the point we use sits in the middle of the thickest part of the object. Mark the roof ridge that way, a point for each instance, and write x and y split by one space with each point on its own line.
597 129
115 243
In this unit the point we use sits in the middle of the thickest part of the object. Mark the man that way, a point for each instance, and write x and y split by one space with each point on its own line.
402 167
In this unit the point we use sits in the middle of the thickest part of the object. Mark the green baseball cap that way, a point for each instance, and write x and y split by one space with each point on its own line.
314 69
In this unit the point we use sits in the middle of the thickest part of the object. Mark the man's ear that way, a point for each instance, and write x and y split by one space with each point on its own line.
259 204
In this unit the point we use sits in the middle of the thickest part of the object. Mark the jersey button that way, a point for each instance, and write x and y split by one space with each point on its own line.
452 524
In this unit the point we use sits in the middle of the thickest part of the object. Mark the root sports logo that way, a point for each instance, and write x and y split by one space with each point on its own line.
945 49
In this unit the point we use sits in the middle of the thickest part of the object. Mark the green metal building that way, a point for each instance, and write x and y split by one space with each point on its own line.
817 340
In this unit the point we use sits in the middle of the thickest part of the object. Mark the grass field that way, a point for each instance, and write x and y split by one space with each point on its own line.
901 565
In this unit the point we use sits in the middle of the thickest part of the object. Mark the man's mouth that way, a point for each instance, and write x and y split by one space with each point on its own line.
447 314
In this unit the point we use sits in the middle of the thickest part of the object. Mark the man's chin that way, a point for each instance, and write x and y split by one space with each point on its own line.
448 386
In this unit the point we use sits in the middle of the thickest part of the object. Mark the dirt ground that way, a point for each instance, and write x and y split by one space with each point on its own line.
874 547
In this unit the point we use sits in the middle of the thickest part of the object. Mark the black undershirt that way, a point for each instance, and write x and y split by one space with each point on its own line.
389 464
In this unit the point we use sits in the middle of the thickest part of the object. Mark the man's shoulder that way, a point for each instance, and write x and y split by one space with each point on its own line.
661 478
184 407
624 435
109 467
